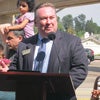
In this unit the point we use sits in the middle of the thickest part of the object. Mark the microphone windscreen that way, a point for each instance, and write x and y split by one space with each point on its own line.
40 56
51 36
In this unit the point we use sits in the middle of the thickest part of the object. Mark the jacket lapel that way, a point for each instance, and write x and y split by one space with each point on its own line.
28 58
54 61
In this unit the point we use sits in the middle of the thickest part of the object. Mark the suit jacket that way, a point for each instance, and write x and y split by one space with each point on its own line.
67 55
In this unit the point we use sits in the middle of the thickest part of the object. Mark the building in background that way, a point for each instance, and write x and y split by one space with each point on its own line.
92 43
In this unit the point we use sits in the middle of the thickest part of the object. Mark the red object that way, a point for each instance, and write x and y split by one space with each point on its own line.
6 61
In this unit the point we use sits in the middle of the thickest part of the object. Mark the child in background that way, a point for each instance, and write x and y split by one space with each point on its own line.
3 59
5 95
25 20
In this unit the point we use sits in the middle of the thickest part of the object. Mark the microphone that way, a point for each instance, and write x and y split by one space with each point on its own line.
40 56
51 36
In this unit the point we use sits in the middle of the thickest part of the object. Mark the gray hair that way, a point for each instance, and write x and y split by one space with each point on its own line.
46 4
18 33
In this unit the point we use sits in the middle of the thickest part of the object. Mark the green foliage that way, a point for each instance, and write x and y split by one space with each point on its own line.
67 21
80 34
79 25
71 30
60 25
35 30
80 22
91 27
98 30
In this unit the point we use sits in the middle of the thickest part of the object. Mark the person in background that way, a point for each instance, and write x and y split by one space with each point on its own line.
13 38
2 56
5 95
63 54
96 89
25 20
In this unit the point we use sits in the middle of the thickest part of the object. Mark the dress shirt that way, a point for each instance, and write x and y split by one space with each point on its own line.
47 53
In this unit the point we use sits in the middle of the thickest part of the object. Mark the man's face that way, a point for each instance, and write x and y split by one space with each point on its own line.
12 40
46 20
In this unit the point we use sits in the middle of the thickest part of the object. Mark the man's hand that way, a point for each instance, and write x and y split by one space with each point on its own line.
6 30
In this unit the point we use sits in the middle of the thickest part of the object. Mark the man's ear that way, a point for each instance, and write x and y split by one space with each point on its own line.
20 38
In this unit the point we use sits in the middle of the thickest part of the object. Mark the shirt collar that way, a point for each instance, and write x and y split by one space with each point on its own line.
40 37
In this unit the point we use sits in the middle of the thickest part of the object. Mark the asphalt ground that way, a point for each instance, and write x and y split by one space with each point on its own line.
83 92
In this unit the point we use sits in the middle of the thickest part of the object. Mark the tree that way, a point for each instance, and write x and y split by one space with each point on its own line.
91 27
98 30
60 25
71 30
67 21
80 22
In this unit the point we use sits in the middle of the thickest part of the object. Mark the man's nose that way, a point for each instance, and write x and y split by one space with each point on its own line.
48 20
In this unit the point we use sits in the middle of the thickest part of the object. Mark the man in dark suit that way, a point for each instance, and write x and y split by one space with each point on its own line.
64 54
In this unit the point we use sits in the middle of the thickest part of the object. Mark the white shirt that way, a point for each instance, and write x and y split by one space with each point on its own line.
47 54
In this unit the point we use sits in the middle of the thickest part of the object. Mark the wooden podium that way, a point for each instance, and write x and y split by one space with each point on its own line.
35 85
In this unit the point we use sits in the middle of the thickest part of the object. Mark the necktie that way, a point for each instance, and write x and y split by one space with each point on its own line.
40 56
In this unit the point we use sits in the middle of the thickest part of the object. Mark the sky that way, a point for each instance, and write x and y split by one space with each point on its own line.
91 11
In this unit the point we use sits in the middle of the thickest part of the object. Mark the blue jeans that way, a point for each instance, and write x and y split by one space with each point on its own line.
5 95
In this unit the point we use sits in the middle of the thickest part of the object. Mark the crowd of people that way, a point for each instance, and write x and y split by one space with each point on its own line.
63 54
